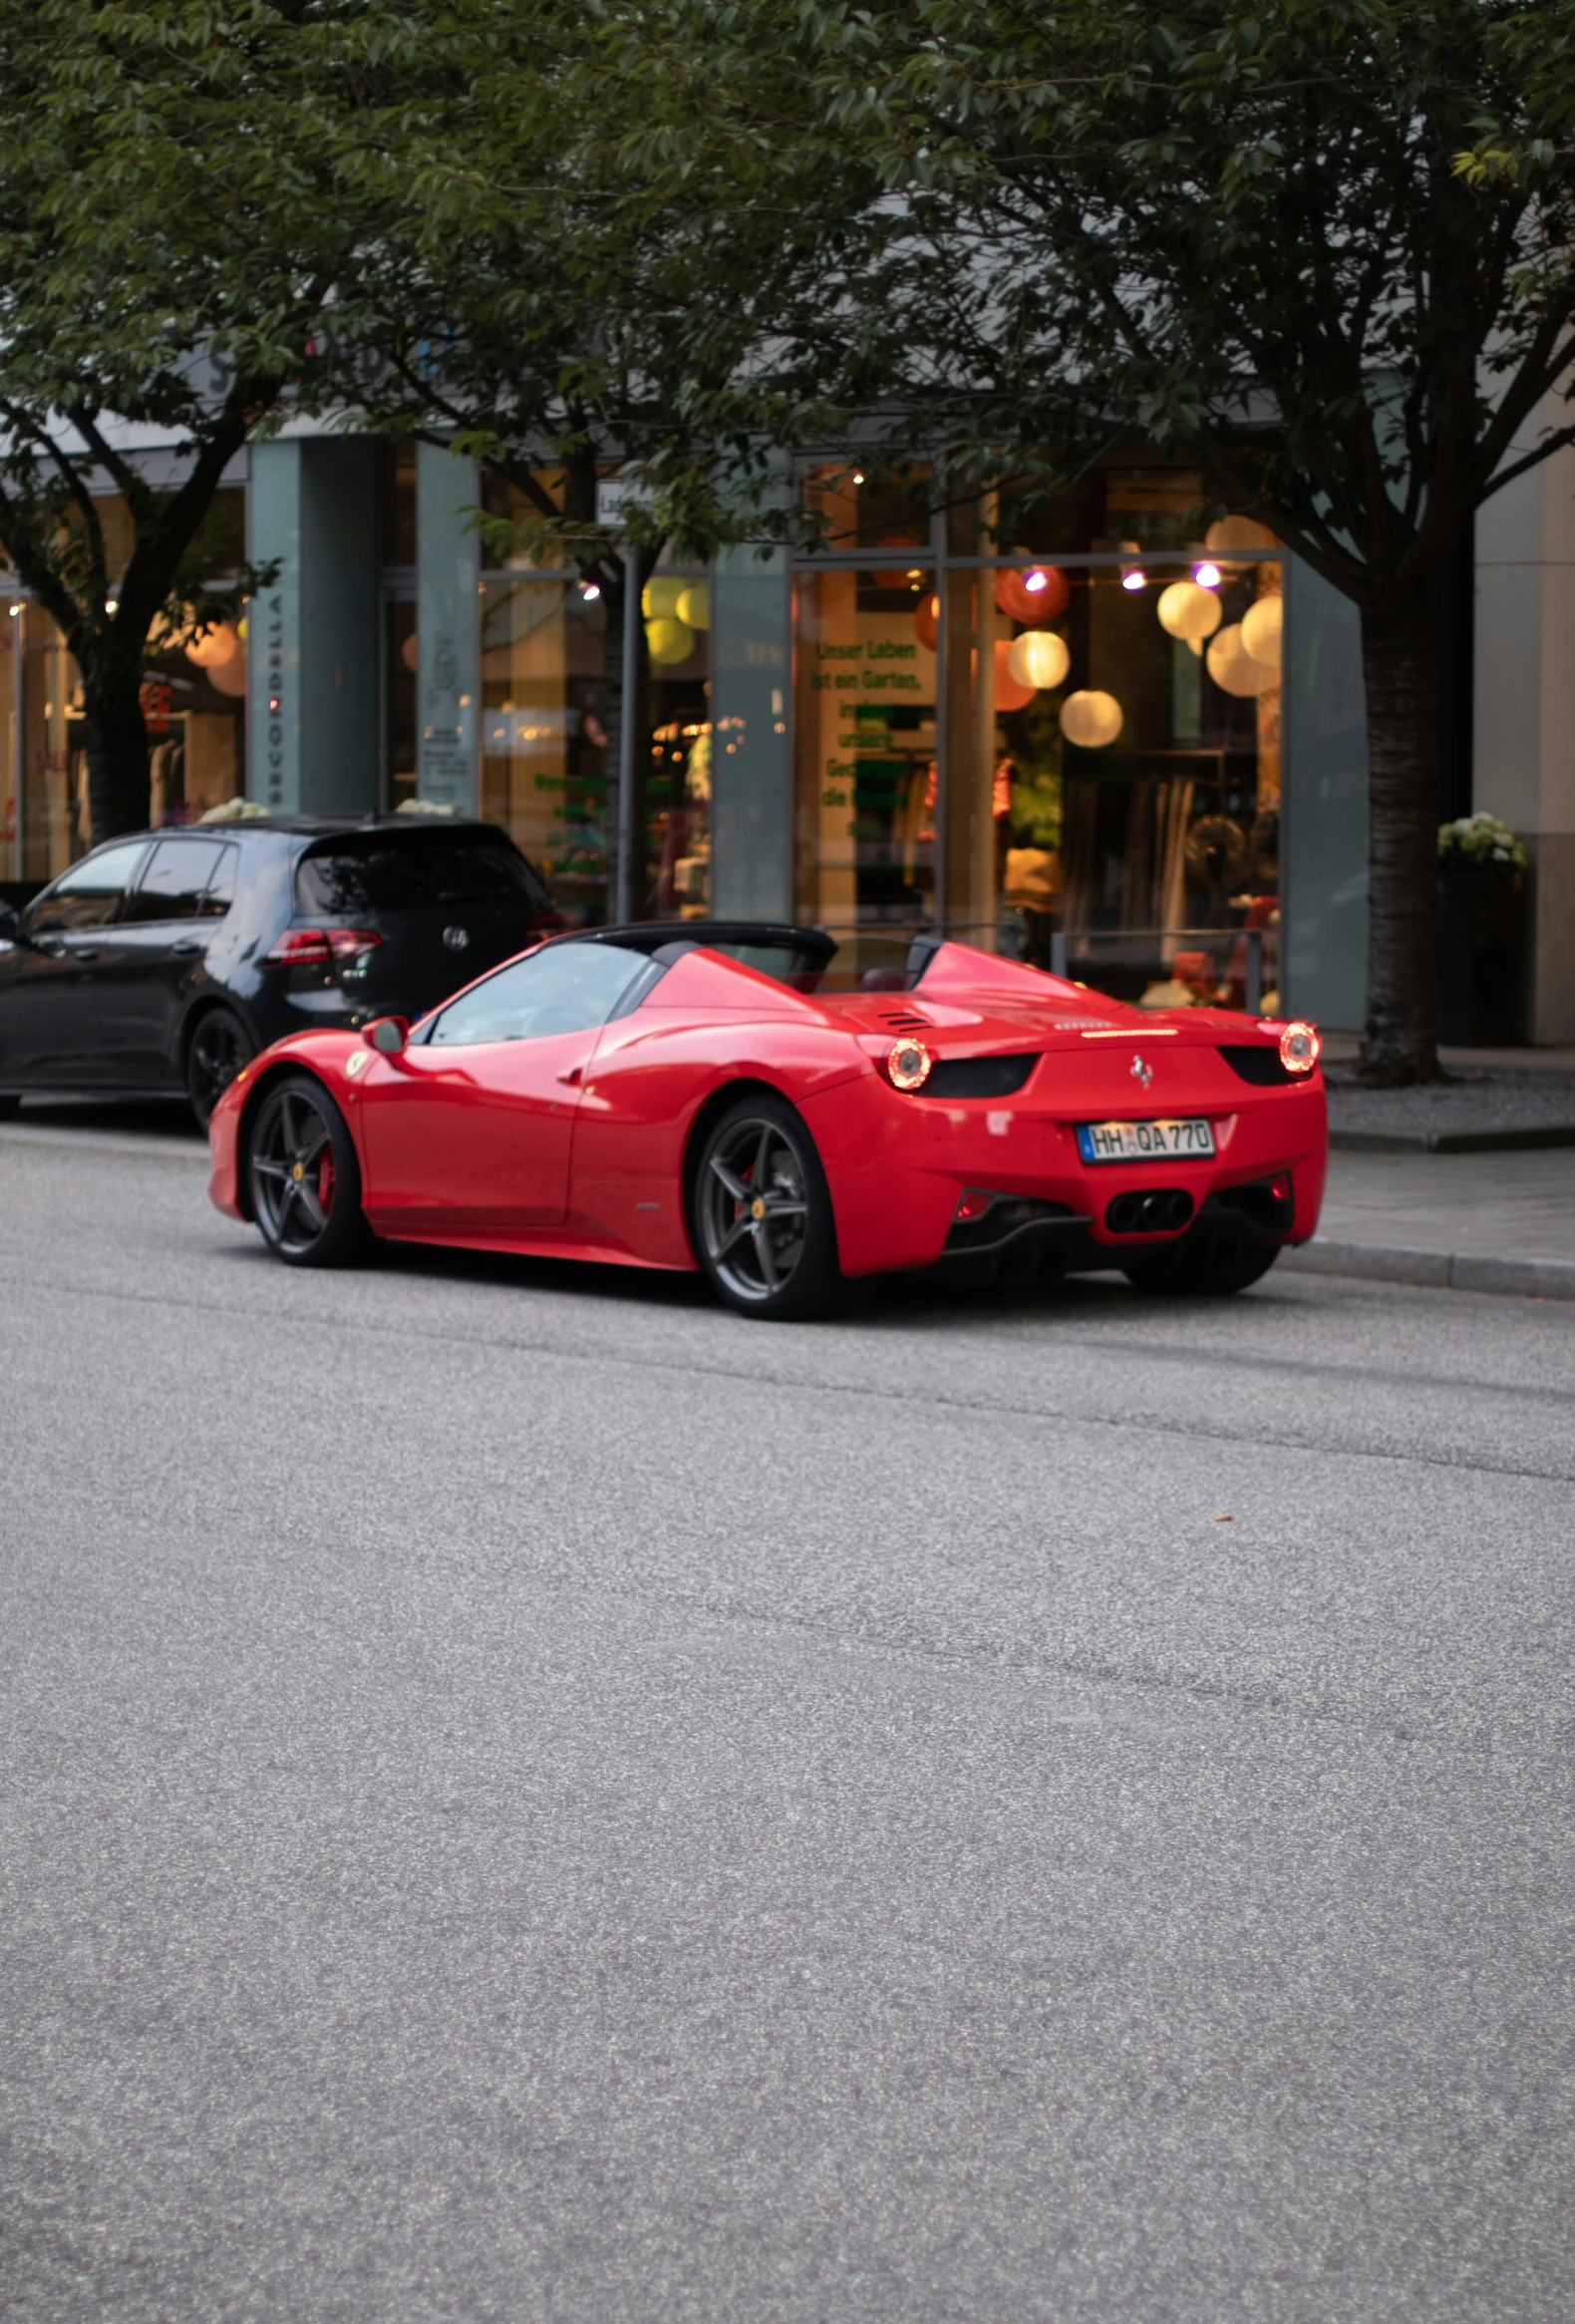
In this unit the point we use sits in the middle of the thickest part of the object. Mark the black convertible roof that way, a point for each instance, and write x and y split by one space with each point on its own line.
812 947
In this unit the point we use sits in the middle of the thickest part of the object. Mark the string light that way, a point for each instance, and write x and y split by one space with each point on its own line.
1206 576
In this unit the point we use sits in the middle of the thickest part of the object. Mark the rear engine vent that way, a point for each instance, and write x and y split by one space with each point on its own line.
1260 1065
905 1020
979 1077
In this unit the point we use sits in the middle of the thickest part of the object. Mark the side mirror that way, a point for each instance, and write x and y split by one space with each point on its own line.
389 1036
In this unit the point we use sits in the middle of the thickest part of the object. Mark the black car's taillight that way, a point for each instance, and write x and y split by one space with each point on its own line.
306 948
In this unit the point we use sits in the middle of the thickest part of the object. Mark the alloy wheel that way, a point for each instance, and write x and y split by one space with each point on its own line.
754 1209
293 1172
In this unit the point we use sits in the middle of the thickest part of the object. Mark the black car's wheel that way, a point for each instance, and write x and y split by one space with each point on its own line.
219 1047
9 1103
763 1231
303 1176
1209 1262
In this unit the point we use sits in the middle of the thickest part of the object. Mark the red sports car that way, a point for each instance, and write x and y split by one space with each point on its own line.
690 1097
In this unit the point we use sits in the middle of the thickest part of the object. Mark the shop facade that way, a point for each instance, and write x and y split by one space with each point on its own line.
1092 728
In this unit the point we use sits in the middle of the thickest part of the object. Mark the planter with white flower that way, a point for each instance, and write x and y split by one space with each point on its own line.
1482 933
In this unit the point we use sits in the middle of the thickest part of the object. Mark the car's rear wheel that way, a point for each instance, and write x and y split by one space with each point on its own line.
763 1230
303 1178
10 1104
219 1049
1211 1260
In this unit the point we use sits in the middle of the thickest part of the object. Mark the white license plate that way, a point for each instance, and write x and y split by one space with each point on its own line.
1114 1142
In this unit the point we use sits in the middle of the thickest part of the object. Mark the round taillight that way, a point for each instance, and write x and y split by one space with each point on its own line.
908 1065
1299 1048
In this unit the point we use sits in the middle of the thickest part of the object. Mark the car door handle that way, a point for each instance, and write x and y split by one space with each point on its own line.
573 1077
85 952
187 944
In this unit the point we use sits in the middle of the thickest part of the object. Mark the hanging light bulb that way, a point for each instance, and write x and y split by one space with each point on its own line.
1206 576
1133 579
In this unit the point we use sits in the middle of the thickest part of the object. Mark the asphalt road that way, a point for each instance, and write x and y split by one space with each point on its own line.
523 1797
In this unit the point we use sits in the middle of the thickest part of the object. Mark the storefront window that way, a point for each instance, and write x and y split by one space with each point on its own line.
865 839
677 808
543 736
1093 766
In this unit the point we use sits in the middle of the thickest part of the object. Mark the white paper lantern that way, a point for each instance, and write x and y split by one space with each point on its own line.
1091 720
1261 627
1039 658
1188 609
1233 668
1235 533
215 647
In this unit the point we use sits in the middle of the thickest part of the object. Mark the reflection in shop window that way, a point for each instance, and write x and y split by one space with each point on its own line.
866 784
676 610
544 774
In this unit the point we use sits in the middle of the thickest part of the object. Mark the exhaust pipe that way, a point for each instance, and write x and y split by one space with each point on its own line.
1155 1210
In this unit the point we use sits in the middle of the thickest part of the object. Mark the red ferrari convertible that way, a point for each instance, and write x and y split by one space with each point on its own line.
692 1097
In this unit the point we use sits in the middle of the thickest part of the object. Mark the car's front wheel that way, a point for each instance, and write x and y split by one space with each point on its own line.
1211 1260
219 1049
763 1231
303 1178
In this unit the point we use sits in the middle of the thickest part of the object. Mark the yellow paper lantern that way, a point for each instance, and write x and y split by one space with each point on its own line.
215 647
668 640
1187 609
659 598
1091 720
694 605
1039 658
1235 533
1261 627
1232 668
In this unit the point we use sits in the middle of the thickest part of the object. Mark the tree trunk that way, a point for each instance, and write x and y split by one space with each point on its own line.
117 738
1399 661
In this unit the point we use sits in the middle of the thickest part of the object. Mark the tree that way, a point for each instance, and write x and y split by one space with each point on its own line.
574 283
177 256
1320 248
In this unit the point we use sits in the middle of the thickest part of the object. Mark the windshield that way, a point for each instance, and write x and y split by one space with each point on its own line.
393 872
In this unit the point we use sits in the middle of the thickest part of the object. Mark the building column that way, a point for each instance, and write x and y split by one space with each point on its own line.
751 771
312 633
1525 711
448 631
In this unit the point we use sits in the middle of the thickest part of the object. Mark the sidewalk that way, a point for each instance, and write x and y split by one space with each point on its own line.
1501 1223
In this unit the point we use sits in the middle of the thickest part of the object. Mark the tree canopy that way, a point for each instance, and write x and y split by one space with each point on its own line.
176 261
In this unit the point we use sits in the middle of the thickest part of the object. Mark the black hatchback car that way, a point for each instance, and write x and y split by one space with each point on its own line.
164 962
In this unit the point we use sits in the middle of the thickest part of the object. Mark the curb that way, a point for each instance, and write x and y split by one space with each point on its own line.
1527 1141
1375 1263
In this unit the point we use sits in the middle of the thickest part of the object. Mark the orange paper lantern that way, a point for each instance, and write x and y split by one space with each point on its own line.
927 622
1010 692
1034 597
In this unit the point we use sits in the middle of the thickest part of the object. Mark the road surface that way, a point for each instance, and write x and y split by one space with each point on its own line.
525 1796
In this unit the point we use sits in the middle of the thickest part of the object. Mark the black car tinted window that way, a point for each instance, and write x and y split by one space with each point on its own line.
89 894
392 871
176 880
566 988
220 890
